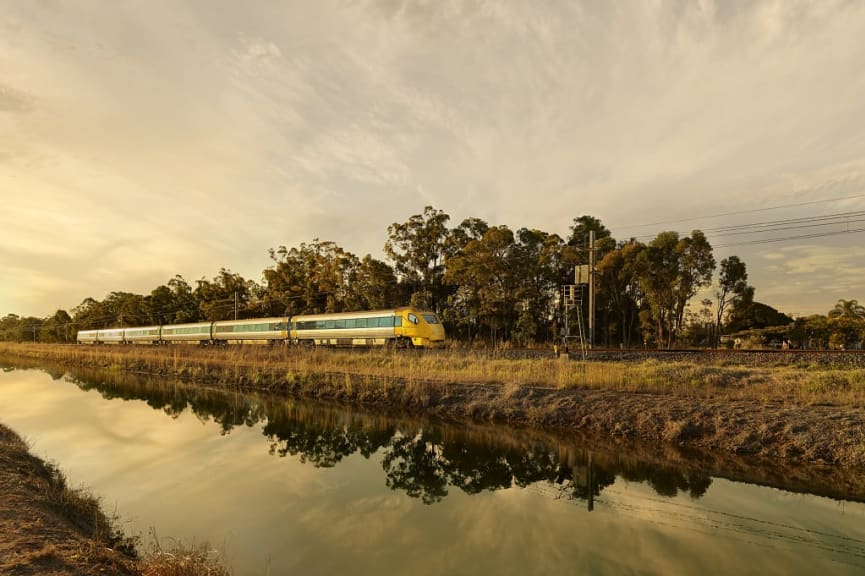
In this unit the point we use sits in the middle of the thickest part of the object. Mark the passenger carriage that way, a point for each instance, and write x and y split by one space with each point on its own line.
142 335
195 332
253 331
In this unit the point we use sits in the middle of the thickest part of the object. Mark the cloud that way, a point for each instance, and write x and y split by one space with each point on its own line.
815 277
206 136
14 101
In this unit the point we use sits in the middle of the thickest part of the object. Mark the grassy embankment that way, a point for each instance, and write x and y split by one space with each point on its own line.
261 367
48 528
798 409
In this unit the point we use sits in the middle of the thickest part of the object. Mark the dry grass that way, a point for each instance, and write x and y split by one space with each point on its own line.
264 367
47 527
44 524
179 559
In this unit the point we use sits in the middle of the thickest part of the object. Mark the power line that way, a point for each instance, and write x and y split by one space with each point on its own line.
740 212
787 225
841 218
787 238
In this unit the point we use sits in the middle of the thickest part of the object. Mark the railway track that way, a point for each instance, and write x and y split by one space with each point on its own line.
816 358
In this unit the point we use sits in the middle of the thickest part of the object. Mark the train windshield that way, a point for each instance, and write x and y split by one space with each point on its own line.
430 318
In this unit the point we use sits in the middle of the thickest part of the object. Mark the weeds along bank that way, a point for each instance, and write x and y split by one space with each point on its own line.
48 528
287 368
794 412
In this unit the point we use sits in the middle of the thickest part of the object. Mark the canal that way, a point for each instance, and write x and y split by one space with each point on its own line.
281 486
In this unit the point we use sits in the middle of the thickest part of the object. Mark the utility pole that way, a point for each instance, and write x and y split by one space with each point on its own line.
591 289
235 304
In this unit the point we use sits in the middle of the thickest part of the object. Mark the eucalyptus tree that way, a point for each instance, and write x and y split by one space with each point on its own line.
375 285
468 230
579 238
486 277
9 327
696 265
732 287
226 295
125 309
184 307
89 315
173 303
537 261
459 312
418 248
672 270
657 268
313 278
57 328
619 286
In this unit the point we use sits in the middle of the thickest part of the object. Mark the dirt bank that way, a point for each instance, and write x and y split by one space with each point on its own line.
48 529
738 410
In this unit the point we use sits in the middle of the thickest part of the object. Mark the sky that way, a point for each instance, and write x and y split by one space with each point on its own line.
140 140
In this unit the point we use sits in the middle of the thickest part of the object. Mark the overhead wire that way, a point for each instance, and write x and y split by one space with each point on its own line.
750 211
844 219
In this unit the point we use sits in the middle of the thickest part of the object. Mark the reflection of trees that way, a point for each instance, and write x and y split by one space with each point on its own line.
413 464
318 437
227 409
423 461
425 464
669 481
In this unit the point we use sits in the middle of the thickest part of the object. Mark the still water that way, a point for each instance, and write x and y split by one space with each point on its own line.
279 486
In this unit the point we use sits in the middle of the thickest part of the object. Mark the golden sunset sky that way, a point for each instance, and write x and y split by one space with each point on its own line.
139 140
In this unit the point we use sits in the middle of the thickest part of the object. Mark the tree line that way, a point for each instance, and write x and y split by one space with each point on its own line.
489 283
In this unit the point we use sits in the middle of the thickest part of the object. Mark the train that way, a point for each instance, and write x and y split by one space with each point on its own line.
405 327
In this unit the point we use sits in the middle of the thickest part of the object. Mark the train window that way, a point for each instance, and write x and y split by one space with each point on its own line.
362 322
412 318
330 324
339 324
351 323
397 321
430 318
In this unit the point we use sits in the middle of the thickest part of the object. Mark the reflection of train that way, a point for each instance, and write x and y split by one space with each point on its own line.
405 327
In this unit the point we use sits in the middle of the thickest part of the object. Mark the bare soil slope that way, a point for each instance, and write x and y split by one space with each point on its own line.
48 529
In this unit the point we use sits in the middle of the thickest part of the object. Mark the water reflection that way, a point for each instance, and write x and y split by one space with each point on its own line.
425 459
314 489
422 459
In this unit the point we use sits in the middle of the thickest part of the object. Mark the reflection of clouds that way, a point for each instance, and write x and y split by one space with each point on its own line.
184 478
